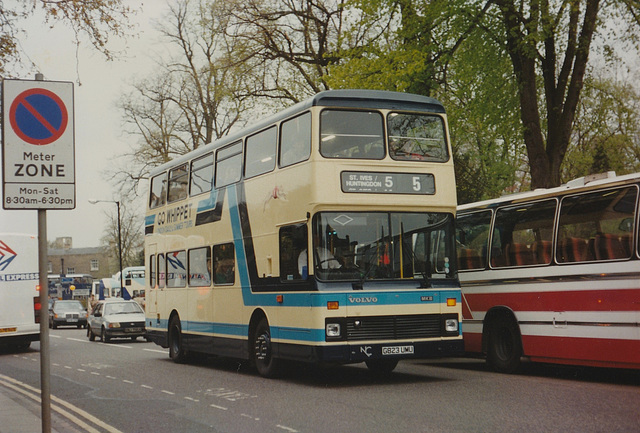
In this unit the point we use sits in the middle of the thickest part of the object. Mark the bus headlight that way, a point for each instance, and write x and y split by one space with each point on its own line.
333 330
451 325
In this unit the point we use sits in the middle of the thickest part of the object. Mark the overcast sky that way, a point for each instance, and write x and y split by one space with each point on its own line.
98 121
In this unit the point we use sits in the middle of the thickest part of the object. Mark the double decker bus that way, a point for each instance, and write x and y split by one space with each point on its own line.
70 286
553 275
362 179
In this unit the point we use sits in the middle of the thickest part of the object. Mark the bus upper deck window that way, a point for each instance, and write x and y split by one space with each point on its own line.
351 134
178 183
158 191
418 137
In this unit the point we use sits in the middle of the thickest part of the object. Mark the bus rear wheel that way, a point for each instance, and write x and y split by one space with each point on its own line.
262 352
177 351
504 345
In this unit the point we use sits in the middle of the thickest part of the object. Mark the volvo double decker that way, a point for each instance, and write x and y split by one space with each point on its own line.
323 234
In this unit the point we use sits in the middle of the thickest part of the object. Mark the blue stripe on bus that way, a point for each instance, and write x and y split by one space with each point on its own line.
240 330
150 220
209 203
236 228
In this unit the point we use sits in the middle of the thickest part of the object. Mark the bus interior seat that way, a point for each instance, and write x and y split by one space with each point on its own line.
609 246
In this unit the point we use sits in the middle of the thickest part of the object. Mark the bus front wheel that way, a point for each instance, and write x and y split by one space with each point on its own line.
382 366
263 358
504 345
177 352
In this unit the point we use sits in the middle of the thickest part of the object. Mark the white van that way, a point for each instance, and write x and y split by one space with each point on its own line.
19 295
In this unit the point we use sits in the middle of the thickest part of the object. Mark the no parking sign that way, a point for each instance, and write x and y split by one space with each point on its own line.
38 145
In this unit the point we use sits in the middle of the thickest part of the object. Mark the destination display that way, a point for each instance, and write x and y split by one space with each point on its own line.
388 183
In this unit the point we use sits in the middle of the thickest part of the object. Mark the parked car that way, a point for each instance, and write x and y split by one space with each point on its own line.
67 313
116 318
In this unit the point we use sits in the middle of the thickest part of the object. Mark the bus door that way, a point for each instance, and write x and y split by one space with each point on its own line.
151 295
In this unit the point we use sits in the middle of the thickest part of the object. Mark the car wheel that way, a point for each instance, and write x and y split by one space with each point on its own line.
263 358
177 351
105 338
90 334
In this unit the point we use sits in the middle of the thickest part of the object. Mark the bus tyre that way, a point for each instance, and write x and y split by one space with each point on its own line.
504 346
90 334
263 358
382 366
177 351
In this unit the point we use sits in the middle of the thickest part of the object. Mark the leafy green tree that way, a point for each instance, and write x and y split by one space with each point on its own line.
549 44
606 134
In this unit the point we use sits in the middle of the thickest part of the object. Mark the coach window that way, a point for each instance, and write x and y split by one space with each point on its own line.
152 271
161 271
158 191
200 267
472 236
176 269
596 226
223 264
260 153
201 175
417 137
178 182
295 140
351 134
523 234
293 243
229 165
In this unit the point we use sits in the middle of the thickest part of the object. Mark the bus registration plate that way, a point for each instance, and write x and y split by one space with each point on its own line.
2 330
397 350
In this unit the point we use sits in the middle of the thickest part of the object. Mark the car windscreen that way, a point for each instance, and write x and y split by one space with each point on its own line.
122 308
68 306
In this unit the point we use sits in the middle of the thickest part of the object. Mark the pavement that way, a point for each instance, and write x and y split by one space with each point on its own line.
19 414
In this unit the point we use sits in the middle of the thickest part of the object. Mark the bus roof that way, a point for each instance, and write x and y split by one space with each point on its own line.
582 183
348 98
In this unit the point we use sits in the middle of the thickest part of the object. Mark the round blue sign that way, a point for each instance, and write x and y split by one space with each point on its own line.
38 116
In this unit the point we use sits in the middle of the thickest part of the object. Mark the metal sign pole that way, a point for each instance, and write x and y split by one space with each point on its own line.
45 367
45 359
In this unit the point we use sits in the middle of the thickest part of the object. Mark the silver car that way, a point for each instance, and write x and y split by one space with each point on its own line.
116 319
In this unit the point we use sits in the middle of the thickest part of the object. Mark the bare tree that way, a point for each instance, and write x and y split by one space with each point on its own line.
132 237
198 94
291 42
95 21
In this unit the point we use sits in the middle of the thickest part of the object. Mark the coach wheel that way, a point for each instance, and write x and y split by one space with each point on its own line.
505 347
382 366
263 358
177 352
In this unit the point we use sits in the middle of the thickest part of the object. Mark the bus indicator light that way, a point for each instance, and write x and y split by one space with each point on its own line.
451 302
333 305
279 299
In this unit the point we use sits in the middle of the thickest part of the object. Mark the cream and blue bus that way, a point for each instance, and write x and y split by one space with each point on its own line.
362 179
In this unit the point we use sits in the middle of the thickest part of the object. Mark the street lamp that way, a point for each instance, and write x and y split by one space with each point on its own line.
119 238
